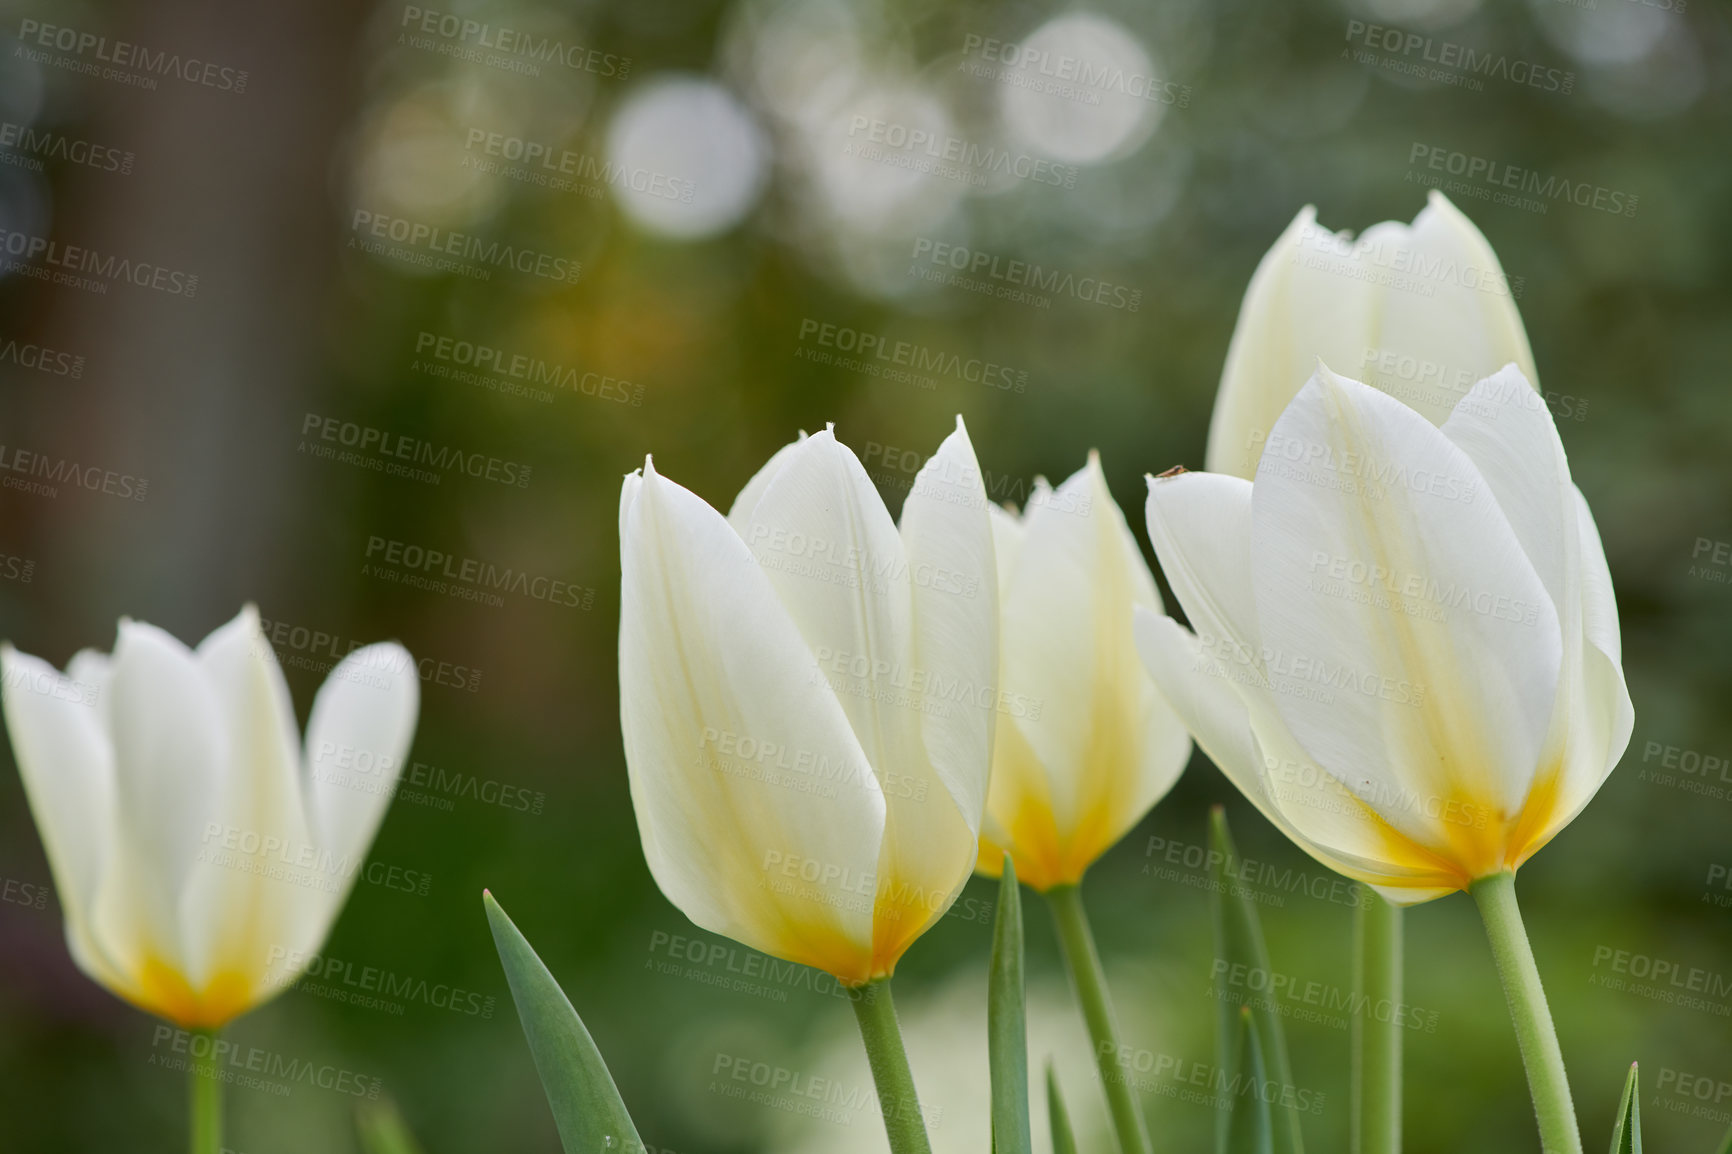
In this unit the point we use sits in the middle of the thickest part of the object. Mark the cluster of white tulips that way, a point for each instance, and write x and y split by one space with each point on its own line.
1401 644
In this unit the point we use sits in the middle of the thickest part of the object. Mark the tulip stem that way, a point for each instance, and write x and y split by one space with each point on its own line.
207 1095
1376 1125
1084 963
897 1099
1535 1033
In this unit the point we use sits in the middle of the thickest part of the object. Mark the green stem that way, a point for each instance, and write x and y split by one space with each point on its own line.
207 1095
1547 1081
890 1073
1084 963
1376 1122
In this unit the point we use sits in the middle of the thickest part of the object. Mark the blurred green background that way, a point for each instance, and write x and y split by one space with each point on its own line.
699 308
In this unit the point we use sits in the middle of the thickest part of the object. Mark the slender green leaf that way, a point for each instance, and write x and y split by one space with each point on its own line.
586 1104
1725 1144
1007 1023
1627 1131
383 1130
1249 1128
1240 950
1063 1138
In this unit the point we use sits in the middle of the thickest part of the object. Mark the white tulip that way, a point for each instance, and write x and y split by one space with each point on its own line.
1086 743
1406 648
806 696
1422 311
200 852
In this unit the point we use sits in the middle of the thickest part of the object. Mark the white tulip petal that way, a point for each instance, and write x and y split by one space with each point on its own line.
832 554
1247 742
67 767
357 746
1424 310
1504 427
234 911
1304 302
947 538
740 513
1007 538
713 669
1409 640
1200 526
170 749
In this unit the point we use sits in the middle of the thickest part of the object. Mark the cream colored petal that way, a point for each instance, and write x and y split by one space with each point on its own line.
745 773
1308 299
1247 742
1007 538
929 846
170 747
1200 526
1410 643
740 514
235 909
823 538
358 738
67 767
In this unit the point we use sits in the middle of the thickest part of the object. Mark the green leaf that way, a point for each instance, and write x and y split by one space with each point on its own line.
1007 1023
1063 1139
586 1104
1725 1144
1249 1129
383 1130
1627 1131
1239 942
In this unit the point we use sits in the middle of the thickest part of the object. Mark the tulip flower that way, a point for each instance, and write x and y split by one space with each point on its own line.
1424 311
807 695
1405 651
1087 743
194 841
